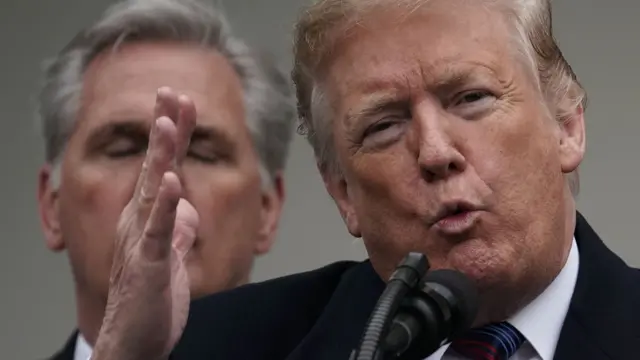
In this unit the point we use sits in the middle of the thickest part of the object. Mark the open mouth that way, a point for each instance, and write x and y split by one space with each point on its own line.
456 218
457 209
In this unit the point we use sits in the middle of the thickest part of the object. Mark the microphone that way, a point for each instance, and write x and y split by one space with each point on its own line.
445 306
416 313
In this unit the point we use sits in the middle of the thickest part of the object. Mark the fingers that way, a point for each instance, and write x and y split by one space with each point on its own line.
166 104
156 238
186 125
168 142
158 191
160 153
182 111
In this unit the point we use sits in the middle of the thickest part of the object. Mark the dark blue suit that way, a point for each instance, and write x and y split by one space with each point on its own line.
321 314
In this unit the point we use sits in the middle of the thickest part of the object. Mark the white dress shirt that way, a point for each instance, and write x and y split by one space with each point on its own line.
83 349
541 321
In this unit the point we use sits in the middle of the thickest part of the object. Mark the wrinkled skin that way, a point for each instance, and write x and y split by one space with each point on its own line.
437 109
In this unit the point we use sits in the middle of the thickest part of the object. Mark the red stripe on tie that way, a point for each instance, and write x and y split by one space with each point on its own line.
491 349
478 354
497 341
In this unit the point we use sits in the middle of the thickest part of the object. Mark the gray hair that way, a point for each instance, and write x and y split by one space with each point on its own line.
324 22
268 96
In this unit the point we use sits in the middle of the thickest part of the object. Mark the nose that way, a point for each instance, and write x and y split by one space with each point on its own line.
438 154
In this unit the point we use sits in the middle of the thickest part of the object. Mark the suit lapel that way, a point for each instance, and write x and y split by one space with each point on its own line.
337 332
602 319
68 351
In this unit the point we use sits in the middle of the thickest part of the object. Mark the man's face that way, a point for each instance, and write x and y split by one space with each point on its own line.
446 149
103 158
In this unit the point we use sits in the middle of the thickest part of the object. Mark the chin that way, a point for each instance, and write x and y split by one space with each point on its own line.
481 262
197 293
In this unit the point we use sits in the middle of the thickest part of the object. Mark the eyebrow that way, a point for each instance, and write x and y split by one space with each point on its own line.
213 134
380 104
453 79
129 128
448 81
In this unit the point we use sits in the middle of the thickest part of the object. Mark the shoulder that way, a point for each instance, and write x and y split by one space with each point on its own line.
68 351
273 316
294 288
603 313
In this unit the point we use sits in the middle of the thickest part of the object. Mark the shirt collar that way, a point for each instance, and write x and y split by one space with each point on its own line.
83 349
541 320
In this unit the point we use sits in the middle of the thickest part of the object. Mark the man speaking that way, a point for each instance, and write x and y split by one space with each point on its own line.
450 128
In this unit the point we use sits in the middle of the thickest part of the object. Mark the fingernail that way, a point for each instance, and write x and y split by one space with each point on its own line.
162 118
163 90
155 128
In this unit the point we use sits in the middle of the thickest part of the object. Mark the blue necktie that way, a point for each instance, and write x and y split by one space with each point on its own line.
497 341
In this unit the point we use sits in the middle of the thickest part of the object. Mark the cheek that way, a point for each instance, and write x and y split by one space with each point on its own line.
391 177
228 203
98 195
91 201
515 154
219 195
229 206
386 191
525 180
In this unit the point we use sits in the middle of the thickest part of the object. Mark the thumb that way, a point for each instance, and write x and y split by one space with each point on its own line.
185 229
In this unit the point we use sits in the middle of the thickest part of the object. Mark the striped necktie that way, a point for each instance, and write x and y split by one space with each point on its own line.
497 341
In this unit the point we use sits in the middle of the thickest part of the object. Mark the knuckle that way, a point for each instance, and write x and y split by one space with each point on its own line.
146 197
145 165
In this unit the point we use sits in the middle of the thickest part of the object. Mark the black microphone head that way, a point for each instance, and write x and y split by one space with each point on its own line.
459 291
444 306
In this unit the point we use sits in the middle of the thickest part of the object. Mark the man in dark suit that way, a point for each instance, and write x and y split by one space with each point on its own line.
97 106
452 128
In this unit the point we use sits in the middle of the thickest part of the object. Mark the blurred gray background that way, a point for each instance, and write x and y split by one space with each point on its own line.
600 39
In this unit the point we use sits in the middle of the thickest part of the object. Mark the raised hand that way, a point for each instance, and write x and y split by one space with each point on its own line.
149 295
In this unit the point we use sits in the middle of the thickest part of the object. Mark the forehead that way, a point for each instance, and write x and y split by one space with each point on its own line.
396 49
121 84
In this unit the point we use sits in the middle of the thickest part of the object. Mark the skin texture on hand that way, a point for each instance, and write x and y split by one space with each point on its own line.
149 294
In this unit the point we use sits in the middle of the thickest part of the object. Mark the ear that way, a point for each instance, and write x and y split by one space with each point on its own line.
272 201
48 209
338 188
572 140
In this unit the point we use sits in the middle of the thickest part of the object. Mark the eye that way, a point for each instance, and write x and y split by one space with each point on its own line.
379 127
471 97
124 147
383 132
207 151
472 104
204 157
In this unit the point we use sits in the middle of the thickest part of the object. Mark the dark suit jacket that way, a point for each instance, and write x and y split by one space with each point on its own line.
320 315
67 352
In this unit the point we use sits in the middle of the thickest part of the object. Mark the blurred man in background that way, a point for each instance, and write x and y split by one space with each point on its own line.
101 95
